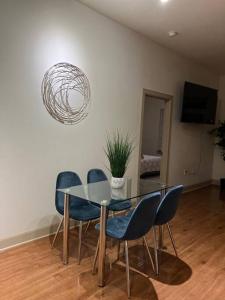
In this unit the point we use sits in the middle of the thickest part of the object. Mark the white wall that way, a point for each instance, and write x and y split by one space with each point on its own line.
119 64
218 162
150 133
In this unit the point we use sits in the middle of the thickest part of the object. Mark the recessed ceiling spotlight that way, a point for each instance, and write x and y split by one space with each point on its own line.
172 33
164 1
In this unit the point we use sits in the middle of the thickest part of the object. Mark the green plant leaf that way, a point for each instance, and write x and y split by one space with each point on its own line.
118 150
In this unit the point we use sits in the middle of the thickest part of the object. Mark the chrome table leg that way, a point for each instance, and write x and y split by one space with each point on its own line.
95 258
102 244
80 240
65 229
127 269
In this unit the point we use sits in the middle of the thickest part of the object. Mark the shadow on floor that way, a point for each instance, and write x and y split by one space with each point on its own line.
116 286
173 271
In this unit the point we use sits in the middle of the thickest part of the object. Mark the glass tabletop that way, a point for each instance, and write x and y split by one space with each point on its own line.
103 194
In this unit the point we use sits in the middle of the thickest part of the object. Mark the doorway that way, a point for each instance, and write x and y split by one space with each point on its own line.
154 138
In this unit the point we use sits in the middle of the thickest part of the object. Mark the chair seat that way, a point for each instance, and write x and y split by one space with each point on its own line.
115 205
84 212
116 226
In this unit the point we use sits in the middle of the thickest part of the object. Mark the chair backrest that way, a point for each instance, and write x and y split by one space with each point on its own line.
168 206
64 180
143 217
95 175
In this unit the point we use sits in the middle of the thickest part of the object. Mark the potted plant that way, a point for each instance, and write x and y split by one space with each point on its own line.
118 151
219 133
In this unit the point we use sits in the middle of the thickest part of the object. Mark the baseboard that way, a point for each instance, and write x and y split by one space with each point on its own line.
197 186
27 237
30 236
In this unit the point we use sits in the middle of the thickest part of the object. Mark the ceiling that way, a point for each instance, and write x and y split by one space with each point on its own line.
200 24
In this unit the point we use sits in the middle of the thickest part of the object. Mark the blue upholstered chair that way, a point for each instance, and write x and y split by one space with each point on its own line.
79 209
132 227
166 212
96 175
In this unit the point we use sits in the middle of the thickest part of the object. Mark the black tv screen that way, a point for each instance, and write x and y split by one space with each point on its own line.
199 104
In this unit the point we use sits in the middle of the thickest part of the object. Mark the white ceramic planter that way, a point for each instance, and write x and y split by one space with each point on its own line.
117 183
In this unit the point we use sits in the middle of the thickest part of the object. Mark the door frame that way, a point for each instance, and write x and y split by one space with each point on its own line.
166 129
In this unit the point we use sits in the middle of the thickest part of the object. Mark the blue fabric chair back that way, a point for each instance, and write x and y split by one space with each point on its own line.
168 206
95 175
65 180
143 217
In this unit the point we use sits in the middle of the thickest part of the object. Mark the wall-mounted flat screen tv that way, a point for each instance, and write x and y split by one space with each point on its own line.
199 104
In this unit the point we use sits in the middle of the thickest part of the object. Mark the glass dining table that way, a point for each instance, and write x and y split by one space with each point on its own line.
102 194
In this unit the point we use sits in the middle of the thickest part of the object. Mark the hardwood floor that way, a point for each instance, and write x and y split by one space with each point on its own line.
35 271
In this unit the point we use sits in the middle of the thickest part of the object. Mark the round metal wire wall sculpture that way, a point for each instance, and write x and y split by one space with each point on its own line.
59 85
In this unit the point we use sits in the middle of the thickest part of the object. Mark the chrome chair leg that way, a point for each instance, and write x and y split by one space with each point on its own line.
86 229
124 249
57 232
149 254
161 235
172 239
95 258
156 252
127 269
80 239
118 250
